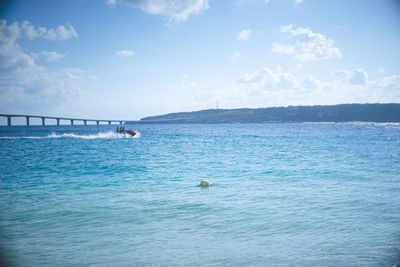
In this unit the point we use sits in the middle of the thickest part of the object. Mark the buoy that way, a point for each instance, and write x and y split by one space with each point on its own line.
204 183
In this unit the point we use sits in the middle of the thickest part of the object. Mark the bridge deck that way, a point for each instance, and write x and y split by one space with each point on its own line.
58 119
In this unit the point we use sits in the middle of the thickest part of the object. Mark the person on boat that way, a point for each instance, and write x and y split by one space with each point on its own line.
117 130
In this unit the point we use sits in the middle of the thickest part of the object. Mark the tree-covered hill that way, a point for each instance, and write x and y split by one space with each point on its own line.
331 113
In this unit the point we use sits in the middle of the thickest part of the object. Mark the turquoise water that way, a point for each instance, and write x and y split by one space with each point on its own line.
281 195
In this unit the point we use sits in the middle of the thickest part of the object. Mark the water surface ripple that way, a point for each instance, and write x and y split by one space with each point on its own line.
281 195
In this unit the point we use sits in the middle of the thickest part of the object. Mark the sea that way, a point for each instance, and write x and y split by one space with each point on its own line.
281 194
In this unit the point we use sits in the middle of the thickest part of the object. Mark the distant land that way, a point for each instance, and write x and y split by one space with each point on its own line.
322 113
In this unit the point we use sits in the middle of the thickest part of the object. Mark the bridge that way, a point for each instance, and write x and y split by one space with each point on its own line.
58 119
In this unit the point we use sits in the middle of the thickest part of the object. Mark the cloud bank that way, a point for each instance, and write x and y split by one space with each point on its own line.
280 87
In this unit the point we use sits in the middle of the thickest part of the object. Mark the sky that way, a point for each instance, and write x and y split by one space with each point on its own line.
128 59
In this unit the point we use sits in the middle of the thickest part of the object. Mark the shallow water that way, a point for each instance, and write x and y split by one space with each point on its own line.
281 194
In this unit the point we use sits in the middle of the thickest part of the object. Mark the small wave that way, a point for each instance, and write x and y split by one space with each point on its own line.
23 137
104 135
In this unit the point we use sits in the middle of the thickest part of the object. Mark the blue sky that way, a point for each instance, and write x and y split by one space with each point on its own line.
126 59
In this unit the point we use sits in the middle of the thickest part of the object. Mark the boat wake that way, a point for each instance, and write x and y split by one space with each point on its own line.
101 135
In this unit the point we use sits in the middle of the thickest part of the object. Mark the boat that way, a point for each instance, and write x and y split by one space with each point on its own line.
123 131
130 132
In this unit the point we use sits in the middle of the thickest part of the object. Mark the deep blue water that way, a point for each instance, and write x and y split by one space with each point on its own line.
281 195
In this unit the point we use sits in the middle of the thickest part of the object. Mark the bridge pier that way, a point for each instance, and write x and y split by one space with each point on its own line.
72 122
120 123
43 122
109 122
97 122
85 122
58 122
27 120
9 120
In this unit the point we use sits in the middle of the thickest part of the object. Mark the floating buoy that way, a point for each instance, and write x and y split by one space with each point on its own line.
204 183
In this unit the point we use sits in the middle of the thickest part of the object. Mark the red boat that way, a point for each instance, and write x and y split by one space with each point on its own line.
130 132
123 131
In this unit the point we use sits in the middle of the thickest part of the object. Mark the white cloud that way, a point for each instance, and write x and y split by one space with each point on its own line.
244 35
26 30
283 49
270 80
236 56
125 53
299 66
298 2
390 82
61 33
385 89
50 56
22 79
343 75
175 10
311 83
358 77
355 77
381 70
308 45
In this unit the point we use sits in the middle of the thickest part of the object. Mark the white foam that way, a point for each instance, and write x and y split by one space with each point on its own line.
101 135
